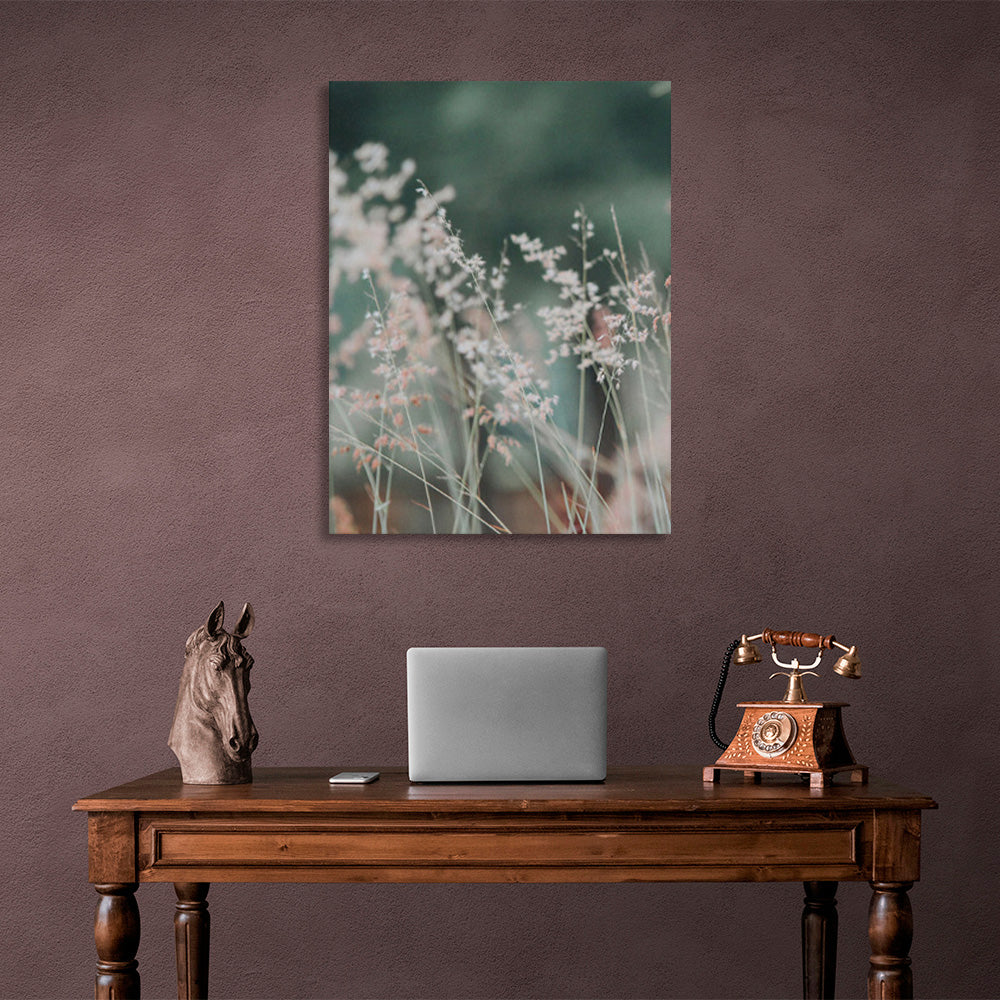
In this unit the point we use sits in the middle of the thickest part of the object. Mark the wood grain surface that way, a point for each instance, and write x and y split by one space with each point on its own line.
642 789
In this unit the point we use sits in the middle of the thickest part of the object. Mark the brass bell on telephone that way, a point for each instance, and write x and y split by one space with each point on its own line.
849 665
746 652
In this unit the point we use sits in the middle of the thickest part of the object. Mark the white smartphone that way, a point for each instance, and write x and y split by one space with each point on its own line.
354 777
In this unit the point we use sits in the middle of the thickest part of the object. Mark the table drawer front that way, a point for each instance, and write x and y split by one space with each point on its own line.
173 844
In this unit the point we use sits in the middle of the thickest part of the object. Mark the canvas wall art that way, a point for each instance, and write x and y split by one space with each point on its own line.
499 266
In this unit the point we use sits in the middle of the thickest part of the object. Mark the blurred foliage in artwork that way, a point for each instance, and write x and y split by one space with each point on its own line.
500 307
522 156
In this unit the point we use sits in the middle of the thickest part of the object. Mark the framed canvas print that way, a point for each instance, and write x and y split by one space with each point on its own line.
499 265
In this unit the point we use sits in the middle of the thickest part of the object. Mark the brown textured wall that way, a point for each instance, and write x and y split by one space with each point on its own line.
162 259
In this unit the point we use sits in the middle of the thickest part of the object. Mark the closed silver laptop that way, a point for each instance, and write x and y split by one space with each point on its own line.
483 713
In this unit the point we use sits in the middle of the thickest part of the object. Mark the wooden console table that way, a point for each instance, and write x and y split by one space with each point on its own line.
644 824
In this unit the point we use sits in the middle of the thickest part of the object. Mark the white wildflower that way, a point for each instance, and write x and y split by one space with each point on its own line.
372 157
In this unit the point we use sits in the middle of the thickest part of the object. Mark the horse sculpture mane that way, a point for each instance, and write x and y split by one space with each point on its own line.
213 735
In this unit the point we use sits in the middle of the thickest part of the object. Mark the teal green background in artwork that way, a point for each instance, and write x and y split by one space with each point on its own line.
522 156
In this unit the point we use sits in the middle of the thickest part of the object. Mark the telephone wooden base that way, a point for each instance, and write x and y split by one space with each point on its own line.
817 779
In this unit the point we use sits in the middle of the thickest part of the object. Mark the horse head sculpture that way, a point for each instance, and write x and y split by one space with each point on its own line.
213 735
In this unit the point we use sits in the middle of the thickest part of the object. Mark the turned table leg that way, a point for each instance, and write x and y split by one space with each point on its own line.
819 941
116 934
890 931
191 932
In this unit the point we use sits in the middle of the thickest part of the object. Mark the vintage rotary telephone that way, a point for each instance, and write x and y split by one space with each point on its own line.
791 736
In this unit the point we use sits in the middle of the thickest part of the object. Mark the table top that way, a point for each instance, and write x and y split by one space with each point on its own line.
658 789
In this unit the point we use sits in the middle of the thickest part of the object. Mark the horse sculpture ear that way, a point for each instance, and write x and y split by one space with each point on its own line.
245 625
214 623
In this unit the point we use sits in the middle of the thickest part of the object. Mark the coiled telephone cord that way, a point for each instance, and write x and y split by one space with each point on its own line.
717 700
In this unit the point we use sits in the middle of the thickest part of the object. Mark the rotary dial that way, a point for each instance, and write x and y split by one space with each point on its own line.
774 733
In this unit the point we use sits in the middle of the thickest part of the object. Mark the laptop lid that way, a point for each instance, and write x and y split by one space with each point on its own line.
481 713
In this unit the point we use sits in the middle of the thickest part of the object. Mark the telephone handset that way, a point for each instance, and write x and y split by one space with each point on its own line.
791 736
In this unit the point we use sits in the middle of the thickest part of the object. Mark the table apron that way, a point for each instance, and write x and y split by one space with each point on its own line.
306 848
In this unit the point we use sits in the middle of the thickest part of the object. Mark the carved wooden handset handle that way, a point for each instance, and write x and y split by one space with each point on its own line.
783 637
810 640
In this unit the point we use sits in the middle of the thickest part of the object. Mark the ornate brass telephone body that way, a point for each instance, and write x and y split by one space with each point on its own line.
791 736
